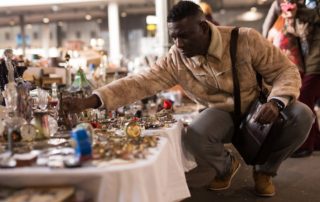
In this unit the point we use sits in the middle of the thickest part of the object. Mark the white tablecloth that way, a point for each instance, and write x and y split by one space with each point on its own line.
183 159
159 178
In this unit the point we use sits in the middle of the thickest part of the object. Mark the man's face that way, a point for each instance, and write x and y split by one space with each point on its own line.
9 54
188 35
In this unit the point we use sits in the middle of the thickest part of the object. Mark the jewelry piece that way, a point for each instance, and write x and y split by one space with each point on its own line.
132 129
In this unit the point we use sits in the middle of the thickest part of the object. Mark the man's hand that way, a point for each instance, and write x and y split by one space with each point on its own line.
268 113
75 105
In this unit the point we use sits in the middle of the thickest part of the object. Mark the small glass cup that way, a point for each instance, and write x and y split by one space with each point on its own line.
43 99
10 95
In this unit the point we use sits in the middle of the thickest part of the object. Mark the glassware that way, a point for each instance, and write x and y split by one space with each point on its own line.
28 131
43 99
54 100
41 123
10 95
53 126
81 84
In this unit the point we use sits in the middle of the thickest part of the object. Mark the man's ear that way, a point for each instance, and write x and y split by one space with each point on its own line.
204 26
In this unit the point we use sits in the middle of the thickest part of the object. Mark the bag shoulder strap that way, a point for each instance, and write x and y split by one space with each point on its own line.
236 85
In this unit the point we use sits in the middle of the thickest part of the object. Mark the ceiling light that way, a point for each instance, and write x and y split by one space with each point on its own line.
55 8
88 17
46 20
123 14
252 15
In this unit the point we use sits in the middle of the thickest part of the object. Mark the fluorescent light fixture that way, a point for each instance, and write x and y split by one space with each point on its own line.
46 20
88 17
55 8
252 15
151 19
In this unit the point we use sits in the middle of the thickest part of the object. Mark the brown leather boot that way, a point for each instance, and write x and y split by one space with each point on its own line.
222 183
263 184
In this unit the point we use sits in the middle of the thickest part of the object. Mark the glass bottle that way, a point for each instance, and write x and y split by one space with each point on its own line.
81 84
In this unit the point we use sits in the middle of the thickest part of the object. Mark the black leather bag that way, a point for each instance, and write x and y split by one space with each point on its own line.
250 138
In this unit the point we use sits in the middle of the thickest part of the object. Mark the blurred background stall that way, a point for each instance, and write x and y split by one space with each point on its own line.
101 37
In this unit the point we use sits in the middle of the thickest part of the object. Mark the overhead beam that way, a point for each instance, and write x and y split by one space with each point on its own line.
19 3
54 17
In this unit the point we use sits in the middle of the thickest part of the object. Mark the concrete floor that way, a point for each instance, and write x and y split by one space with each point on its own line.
298 180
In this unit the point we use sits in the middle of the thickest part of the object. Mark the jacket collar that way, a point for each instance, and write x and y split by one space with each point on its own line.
215 47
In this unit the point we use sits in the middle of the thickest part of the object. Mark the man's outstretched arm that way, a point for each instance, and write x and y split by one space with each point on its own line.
76 105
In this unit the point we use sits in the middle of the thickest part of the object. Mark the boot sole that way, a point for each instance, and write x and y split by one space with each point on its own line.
264 195
227 187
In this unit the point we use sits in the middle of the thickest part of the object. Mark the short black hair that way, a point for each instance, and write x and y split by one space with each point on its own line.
183 9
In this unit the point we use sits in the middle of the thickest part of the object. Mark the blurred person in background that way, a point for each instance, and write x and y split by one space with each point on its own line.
8 68
302 20
284 36
22 64
200 62
207 10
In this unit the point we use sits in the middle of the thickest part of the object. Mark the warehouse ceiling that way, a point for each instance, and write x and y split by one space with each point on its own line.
34 11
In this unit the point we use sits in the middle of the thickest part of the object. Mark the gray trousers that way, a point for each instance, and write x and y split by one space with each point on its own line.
206 135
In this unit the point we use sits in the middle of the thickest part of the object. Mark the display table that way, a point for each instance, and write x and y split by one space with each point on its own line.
159 178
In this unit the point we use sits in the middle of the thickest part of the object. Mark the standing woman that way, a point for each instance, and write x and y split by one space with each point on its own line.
306 26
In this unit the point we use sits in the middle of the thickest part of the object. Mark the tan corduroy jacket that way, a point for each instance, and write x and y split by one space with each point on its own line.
208 79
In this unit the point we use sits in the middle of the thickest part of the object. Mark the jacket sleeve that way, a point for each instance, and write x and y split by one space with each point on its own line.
270 19
124 91
276 69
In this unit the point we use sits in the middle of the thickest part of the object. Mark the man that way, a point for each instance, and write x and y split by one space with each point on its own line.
8 70
200 62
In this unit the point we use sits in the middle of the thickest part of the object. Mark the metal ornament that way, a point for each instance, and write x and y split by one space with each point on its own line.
132 129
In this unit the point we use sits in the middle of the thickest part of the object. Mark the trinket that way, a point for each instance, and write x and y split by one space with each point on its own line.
83 144
28 132
132 129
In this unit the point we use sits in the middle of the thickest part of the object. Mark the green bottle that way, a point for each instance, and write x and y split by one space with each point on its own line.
81 85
